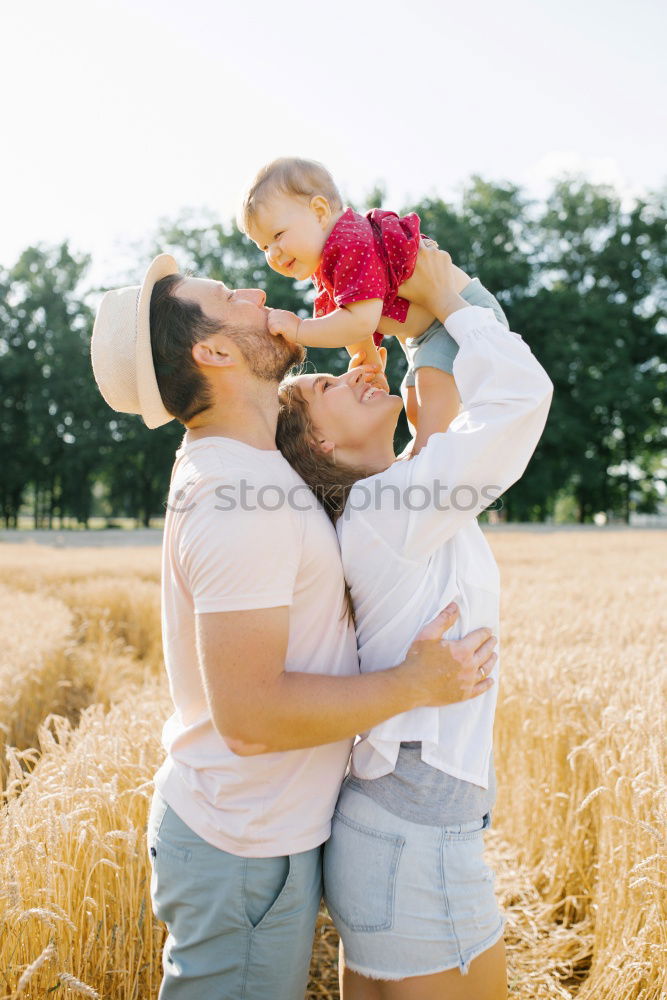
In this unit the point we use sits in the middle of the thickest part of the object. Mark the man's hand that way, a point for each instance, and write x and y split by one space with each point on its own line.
455 670
259 707
284 322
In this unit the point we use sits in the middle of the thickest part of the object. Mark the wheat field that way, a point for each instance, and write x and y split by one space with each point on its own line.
579 841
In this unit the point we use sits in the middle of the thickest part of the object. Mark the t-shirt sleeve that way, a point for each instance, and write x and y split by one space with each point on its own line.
239 550
356 271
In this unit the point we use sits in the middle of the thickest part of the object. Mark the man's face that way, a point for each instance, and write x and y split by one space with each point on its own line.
242 316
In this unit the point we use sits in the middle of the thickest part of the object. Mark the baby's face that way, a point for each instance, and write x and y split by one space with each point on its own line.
292 234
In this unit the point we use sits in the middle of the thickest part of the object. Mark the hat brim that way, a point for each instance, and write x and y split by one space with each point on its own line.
152 407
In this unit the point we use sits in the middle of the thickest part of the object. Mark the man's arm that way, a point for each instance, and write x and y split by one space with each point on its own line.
258 707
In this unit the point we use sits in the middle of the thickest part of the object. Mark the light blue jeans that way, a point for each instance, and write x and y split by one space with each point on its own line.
239 928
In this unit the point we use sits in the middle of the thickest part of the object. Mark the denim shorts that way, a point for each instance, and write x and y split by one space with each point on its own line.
407 899
239 928
435 348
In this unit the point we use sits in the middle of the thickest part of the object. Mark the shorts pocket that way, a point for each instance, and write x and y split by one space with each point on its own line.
163 842
164 849
470 831
265 888
360 868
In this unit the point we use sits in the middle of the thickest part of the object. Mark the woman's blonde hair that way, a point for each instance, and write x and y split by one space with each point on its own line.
288 175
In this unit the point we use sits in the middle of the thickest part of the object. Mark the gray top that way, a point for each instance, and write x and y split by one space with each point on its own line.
422 794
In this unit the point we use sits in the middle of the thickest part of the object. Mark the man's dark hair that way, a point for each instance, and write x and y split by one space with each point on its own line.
176 326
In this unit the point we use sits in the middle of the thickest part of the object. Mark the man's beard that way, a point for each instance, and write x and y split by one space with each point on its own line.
267 356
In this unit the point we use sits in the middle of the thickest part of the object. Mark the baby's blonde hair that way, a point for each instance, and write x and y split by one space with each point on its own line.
288 175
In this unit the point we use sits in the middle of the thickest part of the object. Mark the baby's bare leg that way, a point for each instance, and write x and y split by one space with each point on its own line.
438 403
371 355
411 409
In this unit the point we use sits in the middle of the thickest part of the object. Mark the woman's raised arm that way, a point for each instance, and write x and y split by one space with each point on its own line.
506 396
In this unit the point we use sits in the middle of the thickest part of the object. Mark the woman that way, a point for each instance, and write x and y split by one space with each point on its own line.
405 880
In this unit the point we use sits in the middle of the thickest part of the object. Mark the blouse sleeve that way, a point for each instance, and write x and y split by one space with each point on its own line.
506 396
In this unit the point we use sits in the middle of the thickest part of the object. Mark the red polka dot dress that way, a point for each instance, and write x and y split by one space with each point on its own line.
367 257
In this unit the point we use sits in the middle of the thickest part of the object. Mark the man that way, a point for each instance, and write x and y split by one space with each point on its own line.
259 647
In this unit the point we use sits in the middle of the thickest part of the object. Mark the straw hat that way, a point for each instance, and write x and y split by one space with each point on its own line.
120 347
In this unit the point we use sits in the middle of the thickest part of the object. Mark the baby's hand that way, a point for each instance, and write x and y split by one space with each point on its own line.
360 357
281 321
372 373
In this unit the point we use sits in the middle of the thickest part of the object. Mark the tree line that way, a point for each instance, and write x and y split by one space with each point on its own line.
581 275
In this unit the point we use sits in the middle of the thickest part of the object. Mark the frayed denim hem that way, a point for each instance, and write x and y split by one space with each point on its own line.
463 965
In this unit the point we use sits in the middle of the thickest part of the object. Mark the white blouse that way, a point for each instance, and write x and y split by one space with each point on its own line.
411 543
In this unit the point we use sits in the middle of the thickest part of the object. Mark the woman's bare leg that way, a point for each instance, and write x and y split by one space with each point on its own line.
486 980
352 985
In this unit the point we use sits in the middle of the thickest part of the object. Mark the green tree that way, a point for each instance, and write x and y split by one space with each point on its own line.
50 406
16 379
490 234
598 321
136 463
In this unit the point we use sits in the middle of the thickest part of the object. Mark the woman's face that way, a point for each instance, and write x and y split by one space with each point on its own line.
349 413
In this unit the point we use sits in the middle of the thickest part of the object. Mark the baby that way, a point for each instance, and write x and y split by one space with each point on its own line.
294 213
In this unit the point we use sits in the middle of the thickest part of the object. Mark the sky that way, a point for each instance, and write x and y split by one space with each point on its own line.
117 115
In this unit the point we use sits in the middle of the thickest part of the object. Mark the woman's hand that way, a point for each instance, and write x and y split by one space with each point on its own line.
435 282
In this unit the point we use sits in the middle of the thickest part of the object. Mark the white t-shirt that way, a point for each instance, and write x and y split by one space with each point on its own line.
410 541
243 531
